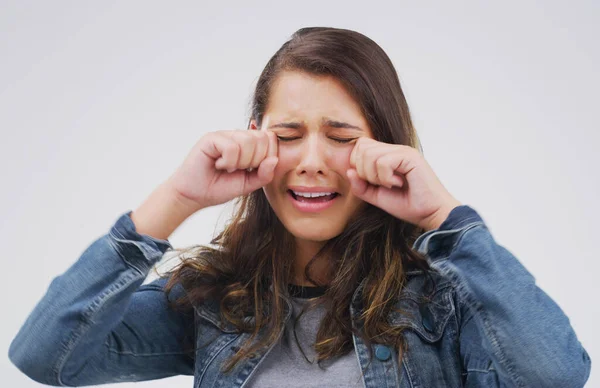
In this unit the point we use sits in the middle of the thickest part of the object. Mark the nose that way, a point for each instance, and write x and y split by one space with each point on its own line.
312 158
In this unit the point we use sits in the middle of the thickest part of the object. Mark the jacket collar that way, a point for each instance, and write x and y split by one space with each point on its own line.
422 315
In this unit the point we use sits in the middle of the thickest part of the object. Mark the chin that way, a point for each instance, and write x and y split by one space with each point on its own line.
314 230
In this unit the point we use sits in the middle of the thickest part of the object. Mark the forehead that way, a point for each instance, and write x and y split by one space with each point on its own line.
299 95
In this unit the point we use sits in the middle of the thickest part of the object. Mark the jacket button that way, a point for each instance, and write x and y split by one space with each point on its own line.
382 352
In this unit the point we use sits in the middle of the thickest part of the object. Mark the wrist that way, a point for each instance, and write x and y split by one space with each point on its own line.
162 212
436 219
185 204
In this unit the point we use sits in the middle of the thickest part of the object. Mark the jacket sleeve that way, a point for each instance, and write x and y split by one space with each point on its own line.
98 324
511 332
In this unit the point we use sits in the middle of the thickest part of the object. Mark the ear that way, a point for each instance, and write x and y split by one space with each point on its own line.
253 124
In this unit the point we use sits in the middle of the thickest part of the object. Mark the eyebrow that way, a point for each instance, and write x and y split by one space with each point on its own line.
325 122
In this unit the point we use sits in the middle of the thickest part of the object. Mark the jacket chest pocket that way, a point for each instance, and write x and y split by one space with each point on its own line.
431 358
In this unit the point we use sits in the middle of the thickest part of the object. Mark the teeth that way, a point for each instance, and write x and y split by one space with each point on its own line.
311 195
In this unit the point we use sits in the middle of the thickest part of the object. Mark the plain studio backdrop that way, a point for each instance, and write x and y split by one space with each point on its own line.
101 101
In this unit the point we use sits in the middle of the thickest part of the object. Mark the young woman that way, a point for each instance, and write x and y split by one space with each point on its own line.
347 263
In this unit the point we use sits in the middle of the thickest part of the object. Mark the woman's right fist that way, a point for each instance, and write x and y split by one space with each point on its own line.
224 165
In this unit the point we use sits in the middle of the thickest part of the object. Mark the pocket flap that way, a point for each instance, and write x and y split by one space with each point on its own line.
427 318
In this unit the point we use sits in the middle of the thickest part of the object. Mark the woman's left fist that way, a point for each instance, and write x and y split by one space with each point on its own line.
397 179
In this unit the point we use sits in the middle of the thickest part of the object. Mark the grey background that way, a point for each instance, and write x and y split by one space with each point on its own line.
101 101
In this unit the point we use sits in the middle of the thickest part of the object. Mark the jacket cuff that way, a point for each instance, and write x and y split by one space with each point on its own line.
130 244
440 241
460 216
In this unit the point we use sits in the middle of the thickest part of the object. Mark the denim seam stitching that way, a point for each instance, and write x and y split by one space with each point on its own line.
408 373
480 310
213 355
115 246
155 240
395 368
116 233
93 307
145 247
362 371
461 230
478 371
222 326
130 353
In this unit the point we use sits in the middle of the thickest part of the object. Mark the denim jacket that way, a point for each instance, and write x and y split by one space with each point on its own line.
486 325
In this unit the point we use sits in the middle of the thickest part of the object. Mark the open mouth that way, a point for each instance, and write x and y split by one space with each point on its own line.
313 199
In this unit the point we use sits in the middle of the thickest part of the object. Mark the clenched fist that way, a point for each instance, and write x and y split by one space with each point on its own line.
226 164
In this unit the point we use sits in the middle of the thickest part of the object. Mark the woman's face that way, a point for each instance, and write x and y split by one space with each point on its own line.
317 123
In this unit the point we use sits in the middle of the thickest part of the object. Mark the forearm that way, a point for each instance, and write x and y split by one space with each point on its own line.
162 212
83 304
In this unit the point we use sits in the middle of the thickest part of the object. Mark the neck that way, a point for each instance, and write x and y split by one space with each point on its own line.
305 251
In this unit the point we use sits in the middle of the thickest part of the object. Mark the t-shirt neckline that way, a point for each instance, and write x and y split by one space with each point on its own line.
304 292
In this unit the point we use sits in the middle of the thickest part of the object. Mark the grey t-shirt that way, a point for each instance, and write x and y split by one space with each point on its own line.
286 366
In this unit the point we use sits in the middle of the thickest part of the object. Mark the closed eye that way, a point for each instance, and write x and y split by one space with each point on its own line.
287 138
282 138
343 140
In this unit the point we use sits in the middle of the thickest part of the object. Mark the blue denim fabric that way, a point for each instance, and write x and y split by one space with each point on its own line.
486 325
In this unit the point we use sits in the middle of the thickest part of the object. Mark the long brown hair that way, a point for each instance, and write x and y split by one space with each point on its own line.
248 269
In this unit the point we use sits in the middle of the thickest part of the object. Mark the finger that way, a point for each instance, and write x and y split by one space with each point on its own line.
409 159
366 158
370 167
262 176
385 170
247 142
358 161
361 188
401 162
229 150
261 148
357 157
273 150
265 123
352 161
397 180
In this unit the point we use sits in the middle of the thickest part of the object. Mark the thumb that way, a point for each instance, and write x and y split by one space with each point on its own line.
361 188
263 175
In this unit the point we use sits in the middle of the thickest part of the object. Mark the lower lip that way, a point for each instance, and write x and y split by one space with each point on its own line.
311 207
